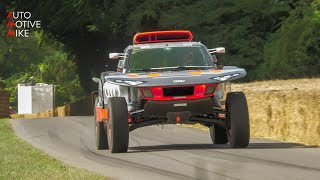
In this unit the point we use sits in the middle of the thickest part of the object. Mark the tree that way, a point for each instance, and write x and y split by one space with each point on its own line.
46 63
241 26
256 33
58 70
293 51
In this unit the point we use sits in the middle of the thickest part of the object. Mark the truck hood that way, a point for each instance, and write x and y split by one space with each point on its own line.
176 78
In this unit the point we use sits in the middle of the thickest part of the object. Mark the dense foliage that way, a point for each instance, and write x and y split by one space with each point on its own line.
269 38
25 58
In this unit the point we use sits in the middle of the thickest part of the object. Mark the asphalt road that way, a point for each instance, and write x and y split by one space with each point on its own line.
173 152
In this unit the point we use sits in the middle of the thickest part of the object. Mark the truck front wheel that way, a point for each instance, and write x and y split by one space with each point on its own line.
118 126
218 135
100 131
238 128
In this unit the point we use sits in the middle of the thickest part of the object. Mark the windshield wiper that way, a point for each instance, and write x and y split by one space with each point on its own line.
148 69
174 68
141 70
179 68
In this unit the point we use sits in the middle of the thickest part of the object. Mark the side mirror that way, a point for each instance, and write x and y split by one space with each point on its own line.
116 55
96 80
218 50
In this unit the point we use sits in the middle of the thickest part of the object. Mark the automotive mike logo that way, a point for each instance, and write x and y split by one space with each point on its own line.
20 23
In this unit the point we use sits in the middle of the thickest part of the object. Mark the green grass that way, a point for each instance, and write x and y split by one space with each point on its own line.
19 160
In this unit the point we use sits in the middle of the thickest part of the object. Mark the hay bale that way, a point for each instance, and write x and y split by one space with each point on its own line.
284 110
61 111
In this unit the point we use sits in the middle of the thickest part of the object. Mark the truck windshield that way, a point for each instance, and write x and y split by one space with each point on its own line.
167 57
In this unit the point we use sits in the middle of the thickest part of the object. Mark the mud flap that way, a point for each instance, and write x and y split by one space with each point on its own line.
102 114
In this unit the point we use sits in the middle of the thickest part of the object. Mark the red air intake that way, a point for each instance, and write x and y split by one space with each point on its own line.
178 93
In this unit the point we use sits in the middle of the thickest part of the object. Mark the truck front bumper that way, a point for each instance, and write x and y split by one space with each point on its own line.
186 108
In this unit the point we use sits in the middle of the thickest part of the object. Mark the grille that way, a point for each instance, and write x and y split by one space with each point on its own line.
178 91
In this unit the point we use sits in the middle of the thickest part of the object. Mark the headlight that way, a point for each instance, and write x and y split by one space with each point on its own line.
224 78
132 83
210 89
147 92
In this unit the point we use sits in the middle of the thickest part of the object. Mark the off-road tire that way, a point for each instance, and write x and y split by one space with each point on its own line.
118 126
218 135
238 130
100 131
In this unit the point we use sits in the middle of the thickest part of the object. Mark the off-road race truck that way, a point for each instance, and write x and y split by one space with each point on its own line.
166 78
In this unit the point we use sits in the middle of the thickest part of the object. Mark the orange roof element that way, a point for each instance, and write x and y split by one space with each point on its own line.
163 36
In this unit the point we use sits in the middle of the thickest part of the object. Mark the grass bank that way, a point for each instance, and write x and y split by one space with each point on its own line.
19 160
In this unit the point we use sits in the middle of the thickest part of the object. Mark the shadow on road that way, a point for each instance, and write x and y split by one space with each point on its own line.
170 147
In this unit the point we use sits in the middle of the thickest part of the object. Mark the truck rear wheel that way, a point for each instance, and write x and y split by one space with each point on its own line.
100 131
118 126
238 128
218 135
